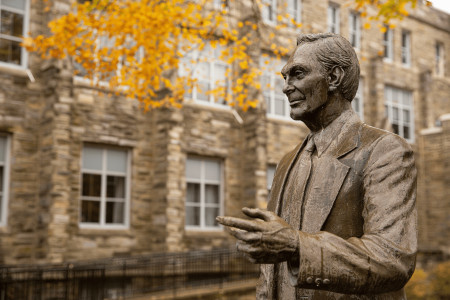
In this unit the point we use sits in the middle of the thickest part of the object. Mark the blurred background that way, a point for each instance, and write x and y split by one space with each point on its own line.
102 199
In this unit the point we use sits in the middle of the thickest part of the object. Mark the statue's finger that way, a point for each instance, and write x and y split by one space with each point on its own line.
248 225
247 236
259 213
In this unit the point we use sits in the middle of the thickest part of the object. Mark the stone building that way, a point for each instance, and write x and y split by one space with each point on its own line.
86 175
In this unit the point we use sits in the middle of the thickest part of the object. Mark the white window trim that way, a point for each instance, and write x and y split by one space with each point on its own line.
202 206
26 25
104 173
359 97
334 8
390 45
273 4
297 16
356 31
406 49
6 172
390 105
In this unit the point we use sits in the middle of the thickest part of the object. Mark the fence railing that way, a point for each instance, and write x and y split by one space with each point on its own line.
119 278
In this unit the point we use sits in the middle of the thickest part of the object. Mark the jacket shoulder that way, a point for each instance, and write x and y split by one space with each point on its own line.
375 136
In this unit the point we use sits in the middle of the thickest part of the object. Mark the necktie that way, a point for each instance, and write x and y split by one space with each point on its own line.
304 170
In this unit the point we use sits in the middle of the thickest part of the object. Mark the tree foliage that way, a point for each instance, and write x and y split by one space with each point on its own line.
139 46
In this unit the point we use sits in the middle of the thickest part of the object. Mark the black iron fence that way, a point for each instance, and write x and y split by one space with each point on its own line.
119 278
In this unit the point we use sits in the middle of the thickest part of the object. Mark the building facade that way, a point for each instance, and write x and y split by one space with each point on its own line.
87 175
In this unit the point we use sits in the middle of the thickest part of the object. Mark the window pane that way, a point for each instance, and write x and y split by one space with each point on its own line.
406 134
1 181
2 148
192 216
11 23
406 116
91 185
193 193
395 113
90 211
210 216
92 158
395 128
10 51
355 104
115 212
117 161
267 99
115 187
19 4
211 193
406 99
202 89
279 107
193 168
212 170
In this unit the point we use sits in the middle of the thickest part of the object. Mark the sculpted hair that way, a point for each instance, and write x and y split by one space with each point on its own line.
334 50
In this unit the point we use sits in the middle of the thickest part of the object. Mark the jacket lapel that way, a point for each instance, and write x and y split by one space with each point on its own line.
329 175
281 175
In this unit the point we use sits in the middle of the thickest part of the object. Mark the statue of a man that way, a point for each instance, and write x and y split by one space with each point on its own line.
341 219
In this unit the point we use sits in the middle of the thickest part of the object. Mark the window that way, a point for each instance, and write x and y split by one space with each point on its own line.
333 18
210 72
388 44
105 192
406 48
294 10
357 102
270 175
440 59
355 30
269 11
203 193
272 87
4 178
399 111
218 4
14 25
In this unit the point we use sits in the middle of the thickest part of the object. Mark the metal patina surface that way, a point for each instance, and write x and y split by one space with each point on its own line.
341 220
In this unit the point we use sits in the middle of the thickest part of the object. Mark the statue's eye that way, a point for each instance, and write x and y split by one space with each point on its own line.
299 73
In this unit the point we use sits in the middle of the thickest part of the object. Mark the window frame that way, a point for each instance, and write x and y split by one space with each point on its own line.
295 14
389 105
269 70
439 58
212 62
359 97
355 31
103 199
333 11
4 195
273 4
388 44
23 53
202 202
406 49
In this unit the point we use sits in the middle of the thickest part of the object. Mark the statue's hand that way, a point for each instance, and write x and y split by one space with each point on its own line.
265 239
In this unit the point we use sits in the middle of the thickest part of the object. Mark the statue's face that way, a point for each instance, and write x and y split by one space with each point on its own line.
305 85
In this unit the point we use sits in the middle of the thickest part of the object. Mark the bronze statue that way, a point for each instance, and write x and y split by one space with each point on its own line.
341 219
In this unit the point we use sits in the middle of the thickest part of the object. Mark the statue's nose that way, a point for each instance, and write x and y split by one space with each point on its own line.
288 88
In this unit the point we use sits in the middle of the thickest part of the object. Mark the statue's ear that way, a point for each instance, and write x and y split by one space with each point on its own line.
335 78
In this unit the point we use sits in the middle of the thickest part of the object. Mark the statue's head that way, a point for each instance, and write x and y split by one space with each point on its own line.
323 66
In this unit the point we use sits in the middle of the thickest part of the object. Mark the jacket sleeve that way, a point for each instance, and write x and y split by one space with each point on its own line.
383 258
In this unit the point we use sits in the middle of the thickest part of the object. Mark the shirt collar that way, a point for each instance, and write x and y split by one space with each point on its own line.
324 137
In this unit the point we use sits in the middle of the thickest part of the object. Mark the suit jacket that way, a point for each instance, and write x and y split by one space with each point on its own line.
359 237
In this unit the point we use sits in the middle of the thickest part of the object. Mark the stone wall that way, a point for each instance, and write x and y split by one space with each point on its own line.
433 189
